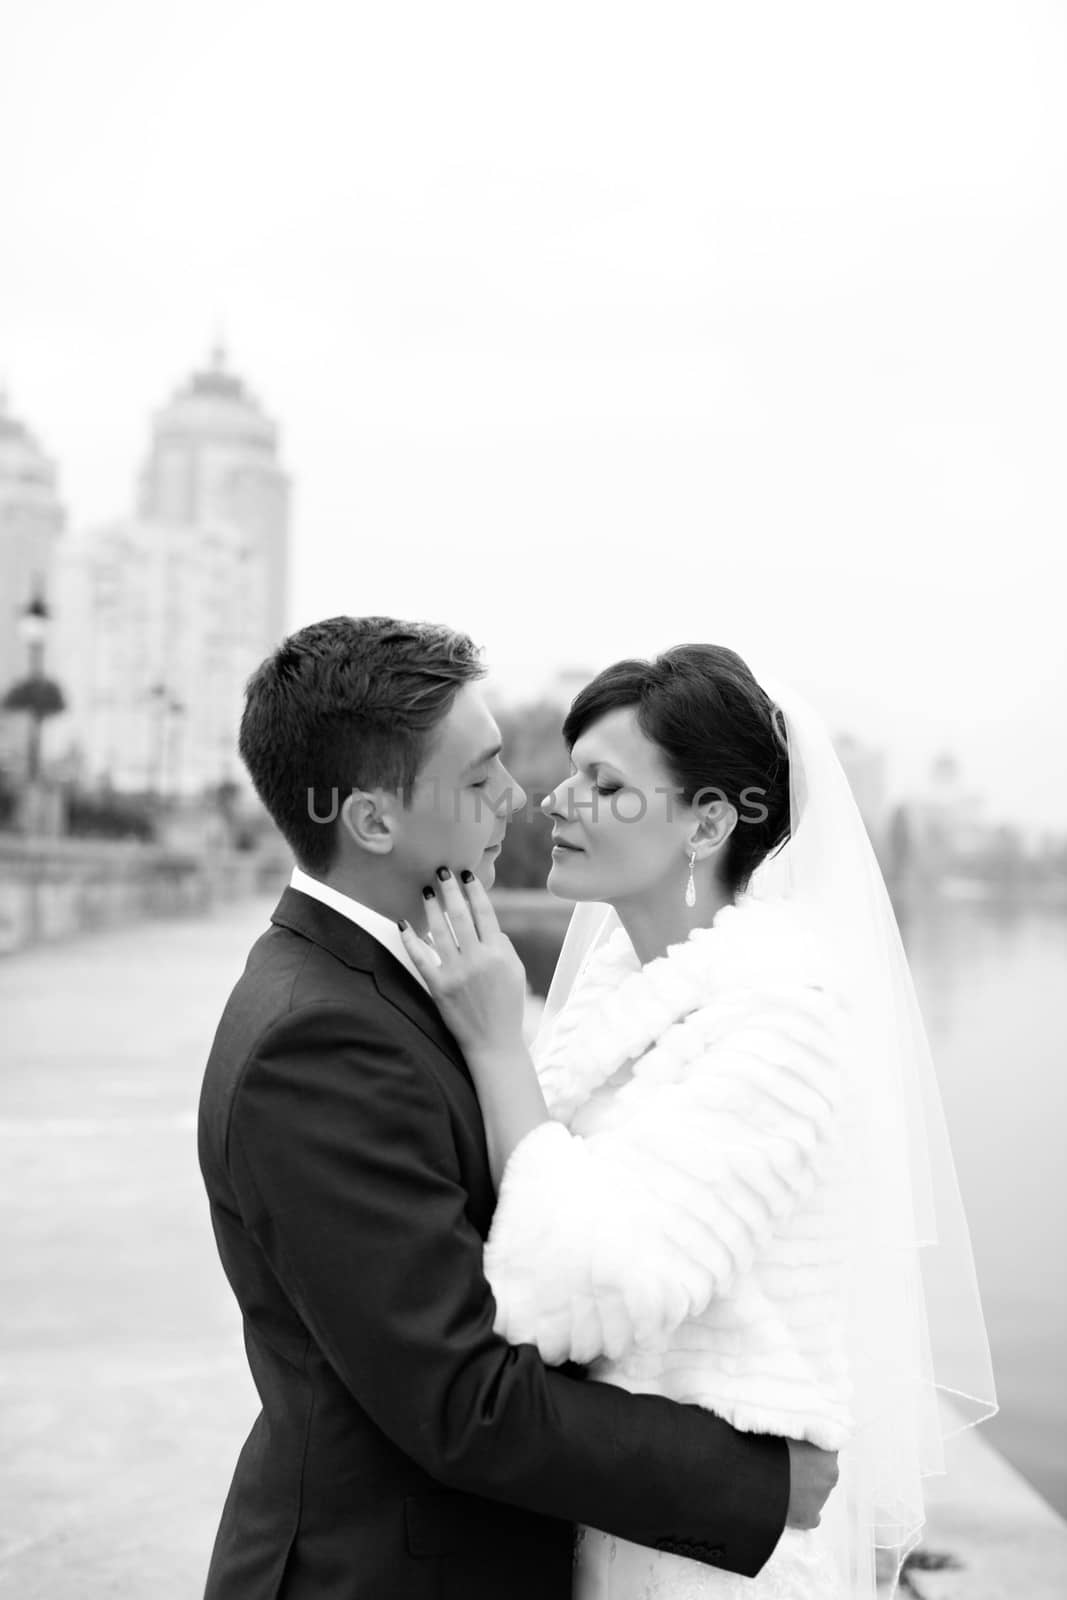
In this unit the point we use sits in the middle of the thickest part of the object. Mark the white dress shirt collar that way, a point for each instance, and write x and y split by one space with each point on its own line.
381 928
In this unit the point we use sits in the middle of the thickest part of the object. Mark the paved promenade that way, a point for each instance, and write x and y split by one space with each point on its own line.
123 1392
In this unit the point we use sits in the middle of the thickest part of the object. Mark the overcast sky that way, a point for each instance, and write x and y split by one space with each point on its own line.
592 328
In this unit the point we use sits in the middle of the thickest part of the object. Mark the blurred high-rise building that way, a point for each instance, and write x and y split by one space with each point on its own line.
166 613
161 631
947 819
213 459
32 519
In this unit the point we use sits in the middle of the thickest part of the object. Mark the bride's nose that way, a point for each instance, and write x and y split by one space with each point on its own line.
550 804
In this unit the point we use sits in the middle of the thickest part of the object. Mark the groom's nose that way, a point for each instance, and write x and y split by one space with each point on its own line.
513 796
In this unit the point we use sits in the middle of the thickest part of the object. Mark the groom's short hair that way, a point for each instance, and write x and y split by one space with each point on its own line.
347 703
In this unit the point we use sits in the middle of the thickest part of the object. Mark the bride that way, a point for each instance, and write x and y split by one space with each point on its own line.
718 1181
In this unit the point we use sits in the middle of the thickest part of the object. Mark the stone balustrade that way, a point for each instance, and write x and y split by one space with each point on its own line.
54 888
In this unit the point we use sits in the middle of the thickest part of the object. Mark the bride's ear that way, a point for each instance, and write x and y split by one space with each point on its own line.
718 819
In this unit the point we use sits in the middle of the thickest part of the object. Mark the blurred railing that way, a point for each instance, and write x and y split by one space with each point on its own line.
54 888
535 922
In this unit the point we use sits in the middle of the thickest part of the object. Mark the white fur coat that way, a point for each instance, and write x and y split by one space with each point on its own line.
679 1223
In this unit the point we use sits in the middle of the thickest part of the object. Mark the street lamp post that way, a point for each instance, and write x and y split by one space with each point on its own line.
167 712
175 749
33 626
35 694
40 698
157 700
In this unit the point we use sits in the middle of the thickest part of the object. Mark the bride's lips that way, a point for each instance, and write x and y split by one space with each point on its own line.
561 844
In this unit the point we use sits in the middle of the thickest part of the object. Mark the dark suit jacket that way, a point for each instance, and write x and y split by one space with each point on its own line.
403 1451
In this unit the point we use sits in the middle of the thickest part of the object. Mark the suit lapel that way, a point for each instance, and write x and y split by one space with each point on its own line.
358 949
396 985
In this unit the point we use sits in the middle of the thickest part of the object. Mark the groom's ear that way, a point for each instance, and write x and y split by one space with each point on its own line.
367 819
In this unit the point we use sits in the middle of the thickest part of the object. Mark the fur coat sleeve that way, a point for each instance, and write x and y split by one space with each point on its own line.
607 1242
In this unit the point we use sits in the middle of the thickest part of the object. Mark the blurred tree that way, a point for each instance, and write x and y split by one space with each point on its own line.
8 799
535 753
900 845
1005 859
40 699
106 814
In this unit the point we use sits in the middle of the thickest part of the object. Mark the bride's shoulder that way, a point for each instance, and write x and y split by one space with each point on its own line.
609 965
770 942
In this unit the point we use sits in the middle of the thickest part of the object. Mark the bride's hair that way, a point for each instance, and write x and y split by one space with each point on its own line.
717 729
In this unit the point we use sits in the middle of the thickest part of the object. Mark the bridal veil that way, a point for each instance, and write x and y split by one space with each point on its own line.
915 1334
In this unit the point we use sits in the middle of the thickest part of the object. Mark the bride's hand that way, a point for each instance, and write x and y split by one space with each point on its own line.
476 977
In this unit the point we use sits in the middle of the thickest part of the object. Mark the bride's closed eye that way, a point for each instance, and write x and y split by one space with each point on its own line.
604 789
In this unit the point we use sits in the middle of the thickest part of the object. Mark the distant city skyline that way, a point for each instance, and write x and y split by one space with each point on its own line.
595 336
153 751
160 613
167 487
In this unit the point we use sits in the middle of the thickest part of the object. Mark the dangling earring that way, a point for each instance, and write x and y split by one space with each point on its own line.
691 888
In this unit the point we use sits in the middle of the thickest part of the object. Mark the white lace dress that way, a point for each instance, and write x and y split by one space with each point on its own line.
679 1223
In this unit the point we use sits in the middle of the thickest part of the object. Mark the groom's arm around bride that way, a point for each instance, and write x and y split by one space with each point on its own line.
403 1449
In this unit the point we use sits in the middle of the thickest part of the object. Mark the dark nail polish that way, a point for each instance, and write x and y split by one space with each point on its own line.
443 873
401 925
428 894
467 875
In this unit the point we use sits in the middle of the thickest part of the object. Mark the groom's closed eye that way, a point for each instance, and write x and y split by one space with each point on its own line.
484 760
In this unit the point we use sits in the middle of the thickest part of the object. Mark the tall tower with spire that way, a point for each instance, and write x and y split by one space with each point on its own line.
213 459
31 521
172 608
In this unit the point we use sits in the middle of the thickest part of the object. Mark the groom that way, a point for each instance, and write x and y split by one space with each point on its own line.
403 1451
